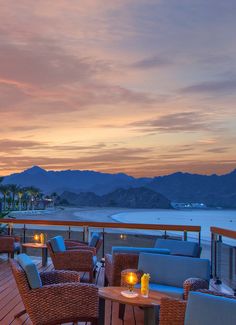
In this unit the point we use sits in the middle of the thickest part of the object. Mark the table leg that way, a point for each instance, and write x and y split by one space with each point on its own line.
101 320
149 316
44 256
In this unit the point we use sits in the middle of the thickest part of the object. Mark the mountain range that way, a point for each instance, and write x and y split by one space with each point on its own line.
213 190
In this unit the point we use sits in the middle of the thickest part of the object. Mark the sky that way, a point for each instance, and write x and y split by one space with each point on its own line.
143 87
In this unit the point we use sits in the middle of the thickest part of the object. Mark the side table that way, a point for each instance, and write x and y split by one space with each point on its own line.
43 247
114 295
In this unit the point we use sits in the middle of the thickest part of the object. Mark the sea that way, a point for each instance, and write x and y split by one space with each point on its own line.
195 217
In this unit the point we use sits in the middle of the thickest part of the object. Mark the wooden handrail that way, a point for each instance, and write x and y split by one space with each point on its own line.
224 232
116 225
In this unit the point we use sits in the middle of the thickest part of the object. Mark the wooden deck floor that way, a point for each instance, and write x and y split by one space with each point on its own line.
10 300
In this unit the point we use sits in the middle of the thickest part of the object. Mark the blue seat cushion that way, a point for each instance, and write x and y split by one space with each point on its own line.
31 271
58 244
207 309
138 250
179 247
94 260
94 239
174 292
173 270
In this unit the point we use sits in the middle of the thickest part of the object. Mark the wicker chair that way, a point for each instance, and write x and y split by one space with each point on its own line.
61 299
81 259
123 258
10 245
95 242
173 311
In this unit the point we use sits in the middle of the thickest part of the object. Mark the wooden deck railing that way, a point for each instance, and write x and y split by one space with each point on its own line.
185 229
220 268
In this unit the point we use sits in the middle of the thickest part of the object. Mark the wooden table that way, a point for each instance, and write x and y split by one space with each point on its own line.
114 295
43 247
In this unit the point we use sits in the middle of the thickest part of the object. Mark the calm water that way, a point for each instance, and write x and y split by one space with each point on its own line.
204 218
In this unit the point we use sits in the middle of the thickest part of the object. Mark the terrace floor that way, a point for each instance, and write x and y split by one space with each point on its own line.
10 300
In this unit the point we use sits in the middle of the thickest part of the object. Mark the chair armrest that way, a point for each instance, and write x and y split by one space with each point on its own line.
53 277
57 300
172 311
108 268
194 284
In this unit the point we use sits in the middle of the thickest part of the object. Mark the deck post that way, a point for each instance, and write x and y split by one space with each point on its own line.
218 244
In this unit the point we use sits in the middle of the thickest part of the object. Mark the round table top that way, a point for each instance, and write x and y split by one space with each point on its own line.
34 245
114 294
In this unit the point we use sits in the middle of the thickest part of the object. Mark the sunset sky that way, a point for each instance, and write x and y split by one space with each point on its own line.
145 87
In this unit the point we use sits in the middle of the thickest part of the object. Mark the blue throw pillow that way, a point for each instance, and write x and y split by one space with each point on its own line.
94 239
58 244
31 271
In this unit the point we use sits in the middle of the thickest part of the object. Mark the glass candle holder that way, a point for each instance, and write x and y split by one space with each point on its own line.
131 279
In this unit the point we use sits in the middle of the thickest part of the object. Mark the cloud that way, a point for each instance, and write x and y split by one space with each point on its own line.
218 150
16 146
216 87
152 62
177 122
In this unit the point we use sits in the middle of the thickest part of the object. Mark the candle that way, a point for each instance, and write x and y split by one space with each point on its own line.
36 237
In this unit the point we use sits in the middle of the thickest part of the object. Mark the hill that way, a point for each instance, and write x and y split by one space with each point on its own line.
127 198
213 190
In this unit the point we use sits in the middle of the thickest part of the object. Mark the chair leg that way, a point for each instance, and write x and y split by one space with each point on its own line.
12 255
91 276
20 313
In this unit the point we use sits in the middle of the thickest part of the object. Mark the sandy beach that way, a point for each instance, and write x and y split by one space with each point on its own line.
113 237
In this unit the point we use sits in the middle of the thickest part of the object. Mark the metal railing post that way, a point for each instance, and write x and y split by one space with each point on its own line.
69 233
24 233
103 243
85 233
185 235
218 259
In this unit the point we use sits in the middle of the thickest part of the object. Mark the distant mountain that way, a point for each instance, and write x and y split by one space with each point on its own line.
213 190
127 198
73 180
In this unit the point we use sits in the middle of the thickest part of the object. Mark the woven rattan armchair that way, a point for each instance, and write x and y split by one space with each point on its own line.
172 311
80 259
10 245
95 242
61 299
115 264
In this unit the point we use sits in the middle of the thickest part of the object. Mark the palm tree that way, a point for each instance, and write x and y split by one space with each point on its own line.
13 188
20 193
33 193
4 189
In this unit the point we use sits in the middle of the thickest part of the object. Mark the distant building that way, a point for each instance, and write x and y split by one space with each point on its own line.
188 205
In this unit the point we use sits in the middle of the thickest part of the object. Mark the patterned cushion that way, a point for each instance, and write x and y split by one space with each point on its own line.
58 244
31 271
